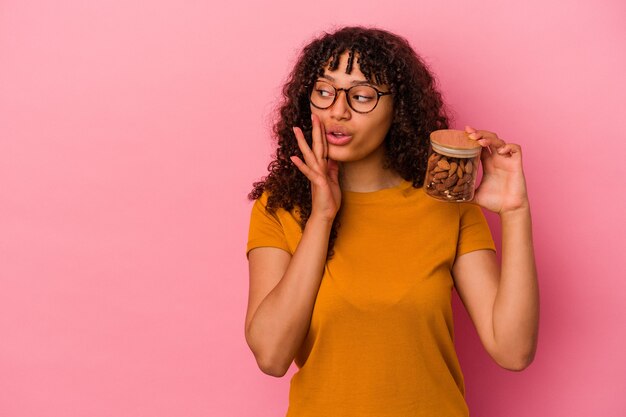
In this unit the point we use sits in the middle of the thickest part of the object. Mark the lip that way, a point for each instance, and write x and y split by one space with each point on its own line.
344 138
338 140
334 128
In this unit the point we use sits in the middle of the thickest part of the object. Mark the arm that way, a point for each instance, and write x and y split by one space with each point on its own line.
283 288
503 304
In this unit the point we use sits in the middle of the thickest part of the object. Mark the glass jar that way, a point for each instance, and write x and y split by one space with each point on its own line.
453 161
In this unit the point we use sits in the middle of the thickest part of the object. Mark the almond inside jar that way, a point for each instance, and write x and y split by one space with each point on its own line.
452 166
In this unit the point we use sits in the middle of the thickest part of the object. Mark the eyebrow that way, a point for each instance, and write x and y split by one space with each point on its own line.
354 82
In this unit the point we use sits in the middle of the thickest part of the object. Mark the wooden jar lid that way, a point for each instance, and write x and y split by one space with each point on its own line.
454 143
453 139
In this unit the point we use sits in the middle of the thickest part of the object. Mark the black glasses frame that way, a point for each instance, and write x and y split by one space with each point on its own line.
379 94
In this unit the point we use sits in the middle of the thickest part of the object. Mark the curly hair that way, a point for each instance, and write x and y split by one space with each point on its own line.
383 56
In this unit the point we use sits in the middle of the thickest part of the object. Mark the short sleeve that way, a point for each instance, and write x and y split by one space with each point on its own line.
474 232
265 228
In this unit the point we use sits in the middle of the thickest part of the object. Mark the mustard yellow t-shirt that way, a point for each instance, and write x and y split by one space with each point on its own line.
380 343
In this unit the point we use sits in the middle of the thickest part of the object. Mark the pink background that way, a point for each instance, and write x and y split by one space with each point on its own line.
130 134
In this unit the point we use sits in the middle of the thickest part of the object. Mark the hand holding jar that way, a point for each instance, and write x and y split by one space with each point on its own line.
453 163
503 185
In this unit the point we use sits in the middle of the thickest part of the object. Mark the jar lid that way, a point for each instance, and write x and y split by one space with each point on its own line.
454 143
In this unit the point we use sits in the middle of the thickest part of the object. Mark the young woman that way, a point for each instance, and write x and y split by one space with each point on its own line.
351 263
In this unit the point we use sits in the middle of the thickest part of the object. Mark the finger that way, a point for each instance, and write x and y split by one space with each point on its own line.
491 141
485 155
324 140
510 149
482 142
308 172
472 133
333 171
318 146
477 134
307 153
486 134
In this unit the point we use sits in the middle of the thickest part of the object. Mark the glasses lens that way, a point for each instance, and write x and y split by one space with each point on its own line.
323 95
363 98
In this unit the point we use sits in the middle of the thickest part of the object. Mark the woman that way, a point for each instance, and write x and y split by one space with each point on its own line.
352 264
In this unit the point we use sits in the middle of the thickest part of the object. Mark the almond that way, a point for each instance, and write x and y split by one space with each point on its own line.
450 178
464 179
450 181
453 167
434 157
443 164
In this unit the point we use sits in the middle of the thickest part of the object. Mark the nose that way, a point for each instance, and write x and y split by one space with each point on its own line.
340 108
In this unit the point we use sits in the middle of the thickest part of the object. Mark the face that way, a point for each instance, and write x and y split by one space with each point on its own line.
354 136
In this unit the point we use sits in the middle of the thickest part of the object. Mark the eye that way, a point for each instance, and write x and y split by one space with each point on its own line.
362 98
324 92
363 94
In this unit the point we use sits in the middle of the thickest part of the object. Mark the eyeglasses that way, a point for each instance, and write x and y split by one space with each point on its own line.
361 98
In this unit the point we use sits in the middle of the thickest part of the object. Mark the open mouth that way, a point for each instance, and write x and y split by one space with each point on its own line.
338 138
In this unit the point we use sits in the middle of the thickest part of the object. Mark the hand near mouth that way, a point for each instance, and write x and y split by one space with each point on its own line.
320 170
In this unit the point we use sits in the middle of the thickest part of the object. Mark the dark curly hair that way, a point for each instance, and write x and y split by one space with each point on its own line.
383 56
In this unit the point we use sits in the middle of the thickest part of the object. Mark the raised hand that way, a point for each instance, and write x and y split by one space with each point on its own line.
503 186
320 170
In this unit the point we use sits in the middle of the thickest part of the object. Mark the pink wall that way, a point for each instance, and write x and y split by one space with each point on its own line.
130 134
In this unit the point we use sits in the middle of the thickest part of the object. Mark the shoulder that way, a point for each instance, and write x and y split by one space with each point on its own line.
262 204
470 210
262 200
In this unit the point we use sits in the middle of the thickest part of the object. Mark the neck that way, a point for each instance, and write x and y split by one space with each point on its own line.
367 175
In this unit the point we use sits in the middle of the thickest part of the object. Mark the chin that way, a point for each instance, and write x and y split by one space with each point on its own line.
341 157
345 154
